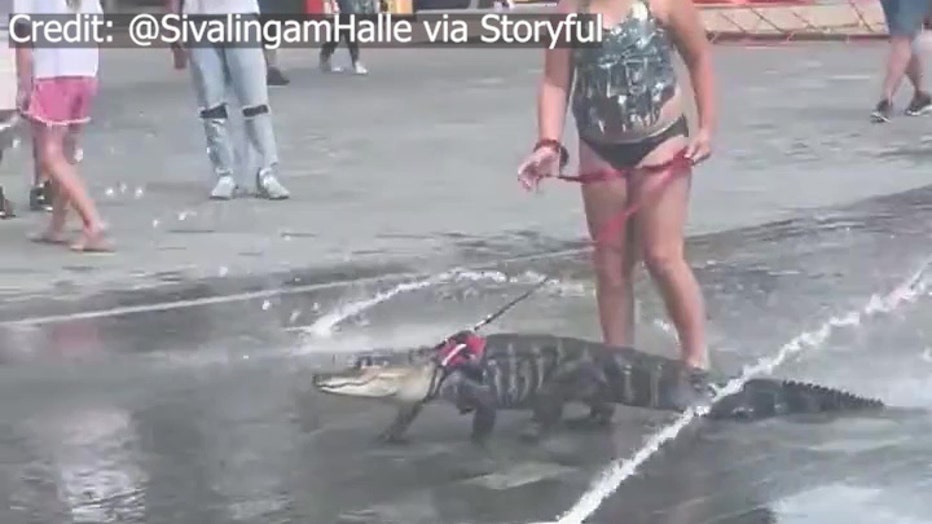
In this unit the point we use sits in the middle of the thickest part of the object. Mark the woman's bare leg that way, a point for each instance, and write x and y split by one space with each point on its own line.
662 220
55 231
614 258
58 166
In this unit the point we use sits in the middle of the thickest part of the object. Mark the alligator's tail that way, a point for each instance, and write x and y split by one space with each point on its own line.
763 398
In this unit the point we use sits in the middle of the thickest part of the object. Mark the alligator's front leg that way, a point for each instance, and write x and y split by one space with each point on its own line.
394 433
478 398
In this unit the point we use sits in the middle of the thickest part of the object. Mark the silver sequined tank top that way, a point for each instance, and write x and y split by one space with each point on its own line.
622 84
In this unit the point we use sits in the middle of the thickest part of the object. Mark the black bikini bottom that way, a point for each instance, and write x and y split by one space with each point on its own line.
629 154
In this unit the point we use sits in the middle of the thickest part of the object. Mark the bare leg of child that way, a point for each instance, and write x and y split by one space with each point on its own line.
72 190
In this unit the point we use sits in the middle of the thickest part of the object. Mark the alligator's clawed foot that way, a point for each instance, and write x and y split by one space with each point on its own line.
479 440
588 423
392 436
532 434
392 439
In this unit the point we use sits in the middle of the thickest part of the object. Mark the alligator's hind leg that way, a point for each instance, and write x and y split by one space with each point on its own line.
583 381
597 396
394 433
600 415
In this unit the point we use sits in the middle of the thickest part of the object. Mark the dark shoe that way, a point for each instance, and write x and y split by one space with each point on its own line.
275 78
920 104
40 197
6 207
882 112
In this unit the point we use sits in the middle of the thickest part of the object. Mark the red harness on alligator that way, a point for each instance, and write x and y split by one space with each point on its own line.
462 348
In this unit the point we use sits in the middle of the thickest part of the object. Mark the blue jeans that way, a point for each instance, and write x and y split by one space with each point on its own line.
905 17
241 69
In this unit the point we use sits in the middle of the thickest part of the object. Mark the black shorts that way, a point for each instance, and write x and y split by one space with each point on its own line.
629 155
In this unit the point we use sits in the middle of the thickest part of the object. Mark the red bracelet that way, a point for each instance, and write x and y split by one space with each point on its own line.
556 146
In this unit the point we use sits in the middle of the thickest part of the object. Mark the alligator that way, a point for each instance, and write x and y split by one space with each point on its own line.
542 373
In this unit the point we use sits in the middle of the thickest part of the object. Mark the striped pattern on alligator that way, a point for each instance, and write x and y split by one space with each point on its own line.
518 366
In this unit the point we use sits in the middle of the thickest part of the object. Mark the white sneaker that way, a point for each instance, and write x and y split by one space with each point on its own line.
225 188
360 69
269 187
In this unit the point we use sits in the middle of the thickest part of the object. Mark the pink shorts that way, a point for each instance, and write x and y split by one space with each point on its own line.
61 101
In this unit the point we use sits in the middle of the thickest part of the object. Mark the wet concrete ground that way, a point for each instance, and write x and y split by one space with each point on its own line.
170 383
205 414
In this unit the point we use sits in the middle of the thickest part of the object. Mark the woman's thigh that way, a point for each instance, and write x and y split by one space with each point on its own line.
50 140
605 204
664 204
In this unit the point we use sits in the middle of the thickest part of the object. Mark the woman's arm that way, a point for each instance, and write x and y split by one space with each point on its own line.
555 86
24 67
690 37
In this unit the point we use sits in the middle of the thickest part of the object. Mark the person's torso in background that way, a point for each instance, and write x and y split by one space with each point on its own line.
7 9
51 62
359 7
283 7
220 7
8 83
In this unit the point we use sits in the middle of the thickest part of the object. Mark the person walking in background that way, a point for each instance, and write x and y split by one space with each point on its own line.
905 20
40 194
241 69
273 75
347 7
269 8
9 116
57 86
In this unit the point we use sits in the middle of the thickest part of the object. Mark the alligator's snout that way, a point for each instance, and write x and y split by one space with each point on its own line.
374 380
355 383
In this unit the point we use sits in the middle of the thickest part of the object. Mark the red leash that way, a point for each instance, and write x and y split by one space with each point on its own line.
466 347
677 165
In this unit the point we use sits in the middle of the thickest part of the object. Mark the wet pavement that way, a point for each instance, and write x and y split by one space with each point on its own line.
170 383
204 414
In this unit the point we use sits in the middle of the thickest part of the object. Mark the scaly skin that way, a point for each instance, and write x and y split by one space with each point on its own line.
541 373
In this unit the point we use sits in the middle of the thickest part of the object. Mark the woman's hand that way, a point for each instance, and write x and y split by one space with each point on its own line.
689 34
700 147
542 163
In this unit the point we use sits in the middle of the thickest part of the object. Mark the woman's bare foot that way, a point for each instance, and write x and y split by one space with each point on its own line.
93 240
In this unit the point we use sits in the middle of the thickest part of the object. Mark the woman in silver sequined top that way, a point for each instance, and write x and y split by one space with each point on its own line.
629 110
